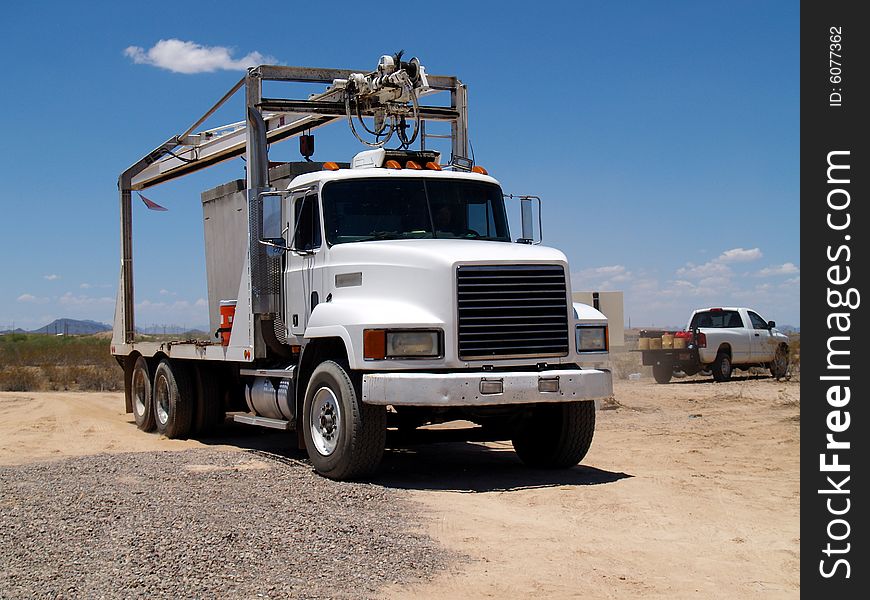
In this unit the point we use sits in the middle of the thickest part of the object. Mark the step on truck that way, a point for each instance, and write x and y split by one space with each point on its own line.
349 296
718 340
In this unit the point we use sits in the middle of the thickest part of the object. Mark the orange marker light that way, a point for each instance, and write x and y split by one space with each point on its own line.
392 164
434 166
330 166
374 344
412 165
479 169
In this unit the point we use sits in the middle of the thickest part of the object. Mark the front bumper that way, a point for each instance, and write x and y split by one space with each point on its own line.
466 389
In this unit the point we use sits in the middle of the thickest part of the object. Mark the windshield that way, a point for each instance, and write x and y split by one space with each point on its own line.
361 210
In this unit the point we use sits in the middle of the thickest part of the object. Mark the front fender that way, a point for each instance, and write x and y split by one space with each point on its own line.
346 319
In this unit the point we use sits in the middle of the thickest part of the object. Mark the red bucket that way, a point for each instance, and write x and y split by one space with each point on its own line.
228 311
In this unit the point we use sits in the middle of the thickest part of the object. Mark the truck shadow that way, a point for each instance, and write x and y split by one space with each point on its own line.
734 378
427 459
462 466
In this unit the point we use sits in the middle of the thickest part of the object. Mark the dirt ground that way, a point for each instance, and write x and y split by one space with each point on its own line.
690 490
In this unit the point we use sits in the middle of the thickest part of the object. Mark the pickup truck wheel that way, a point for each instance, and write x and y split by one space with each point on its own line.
140 395
663 373
344 437
557 435
173 399
779 366
721 367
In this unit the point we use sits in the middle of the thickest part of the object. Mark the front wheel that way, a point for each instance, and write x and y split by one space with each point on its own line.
344 437
663 373
557 435
779 366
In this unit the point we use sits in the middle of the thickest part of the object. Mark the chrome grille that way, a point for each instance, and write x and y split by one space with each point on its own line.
512 311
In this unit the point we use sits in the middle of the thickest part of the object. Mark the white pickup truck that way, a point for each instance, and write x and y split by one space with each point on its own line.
718 340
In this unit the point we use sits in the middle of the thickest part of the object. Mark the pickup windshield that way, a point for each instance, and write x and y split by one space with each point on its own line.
362 210
717 319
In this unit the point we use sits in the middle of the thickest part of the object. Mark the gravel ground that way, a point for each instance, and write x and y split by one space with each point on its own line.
202 524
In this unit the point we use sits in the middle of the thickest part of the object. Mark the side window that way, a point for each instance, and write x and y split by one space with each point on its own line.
307 223
757 322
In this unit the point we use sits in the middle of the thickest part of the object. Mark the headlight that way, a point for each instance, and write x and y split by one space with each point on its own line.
412 343
591 339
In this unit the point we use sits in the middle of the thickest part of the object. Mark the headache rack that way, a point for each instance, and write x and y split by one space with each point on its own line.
388 96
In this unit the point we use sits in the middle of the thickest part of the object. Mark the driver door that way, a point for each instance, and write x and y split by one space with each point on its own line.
302 273
763 342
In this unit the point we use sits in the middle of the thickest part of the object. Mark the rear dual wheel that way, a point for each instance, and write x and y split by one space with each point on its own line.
173 399
140 394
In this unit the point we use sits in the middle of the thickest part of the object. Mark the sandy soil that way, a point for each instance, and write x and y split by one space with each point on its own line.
690 490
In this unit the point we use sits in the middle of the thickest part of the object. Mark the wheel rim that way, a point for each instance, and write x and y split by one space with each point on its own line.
161 400
325 421
139 391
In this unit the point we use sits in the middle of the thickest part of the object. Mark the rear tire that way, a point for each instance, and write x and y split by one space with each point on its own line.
557 435
722 367
209 410
779 366
345 438
663 373
173 399
140 395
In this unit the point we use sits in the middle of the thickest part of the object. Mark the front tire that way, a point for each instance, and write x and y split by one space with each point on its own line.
140 395
173 400
663 373
779 366
345 438
557 435
722 367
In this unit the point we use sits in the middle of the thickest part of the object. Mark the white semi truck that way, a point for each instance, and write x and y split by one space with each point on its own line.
350 294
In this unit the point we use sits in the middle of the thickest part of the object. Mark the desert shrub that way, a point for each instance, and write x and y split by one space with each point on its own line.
18 379
95 379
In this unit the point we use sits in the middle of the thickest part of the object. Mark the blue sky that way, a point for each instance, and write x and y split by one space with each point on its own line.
662 136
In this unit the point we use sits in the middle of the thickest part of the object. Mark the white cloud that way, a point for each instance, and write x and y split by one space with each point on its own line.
610 277
85 286
189 57
739 255
708 269
51 277
783 269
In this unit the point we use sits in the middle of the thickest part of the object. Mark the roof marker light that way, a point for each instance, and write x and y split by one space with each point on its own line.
479 169
331 166
392 164
412 165
434 166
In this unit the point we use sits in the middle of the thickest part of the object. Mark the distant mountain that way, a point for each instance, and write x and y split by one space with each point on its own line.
16 330
72 327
